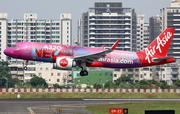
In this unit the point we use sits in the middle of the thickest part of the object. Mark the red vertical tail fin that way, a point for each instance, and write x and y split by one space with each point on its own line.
159 47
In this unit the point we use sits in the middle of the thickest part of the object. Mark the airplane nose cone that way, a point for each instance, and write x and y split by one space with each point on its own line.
7 51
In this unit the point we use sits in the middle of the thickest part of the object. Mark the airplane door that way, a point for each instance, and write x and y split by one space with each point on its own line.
27 47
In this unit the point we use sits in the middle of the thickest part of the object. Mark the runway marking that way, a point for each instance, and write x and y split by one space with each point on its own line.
30 110
66 106
66 109
132 99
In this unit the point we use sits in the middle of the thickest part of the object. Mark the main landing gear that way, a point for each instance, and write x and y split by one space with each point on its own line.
25 64
84 71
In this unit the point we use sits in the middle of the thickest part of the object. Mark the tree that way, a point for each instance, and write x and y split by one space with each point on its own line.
153 82
177 83
12 82
97 86
2 82
4 73
38 81
56 85
124 79
24 85
125 86
164 85
88 87
4 70
109 85
142 84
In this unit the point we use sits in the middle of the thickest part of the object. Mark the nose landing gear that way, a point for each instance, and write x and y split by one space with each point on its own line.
25 64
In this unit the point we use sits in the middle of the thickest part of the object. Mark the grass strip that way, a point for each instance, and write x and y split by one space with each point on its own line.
92 95
136 108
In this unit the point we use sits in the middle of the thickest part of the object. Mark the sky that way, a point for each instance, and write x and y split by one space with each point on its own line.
51 9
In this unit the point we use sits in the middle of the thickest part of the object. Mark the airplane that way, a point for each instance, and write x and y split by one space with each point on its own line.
65 57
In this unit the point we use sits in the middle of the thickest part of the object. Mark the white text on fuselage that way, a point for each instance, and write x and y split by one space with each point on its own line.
160 43
116 60
52 47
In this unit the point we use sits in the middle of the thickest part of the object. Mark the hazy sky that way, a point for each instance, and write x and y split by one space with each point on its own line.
51 9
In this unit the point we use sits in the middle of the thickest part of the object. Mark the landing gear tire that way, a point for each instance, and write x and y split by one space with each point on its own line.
84 73
25 68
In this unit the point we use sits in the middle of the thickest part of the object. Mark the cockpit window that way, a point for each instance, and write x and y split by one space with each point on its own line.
16 47
13 45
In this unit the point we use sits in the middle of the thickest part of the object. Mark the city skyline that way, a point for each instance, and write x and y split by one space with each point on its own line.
52 9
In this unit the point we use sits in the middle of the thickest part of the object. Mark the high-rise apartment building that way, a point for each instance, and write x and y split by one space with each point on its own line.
79 34
3 35
142 43
170 19
106 22
142 33
154 27
83 30
66 28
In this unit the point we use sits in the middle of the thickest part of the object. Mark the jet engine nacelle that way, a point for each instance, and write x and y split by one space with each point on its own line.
64 63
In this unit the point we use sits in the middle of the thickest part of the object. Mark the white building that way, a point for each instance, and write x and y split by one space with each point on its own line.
168 73
52 76
107 22
145 73
142 33
116 74
31 70
66 28
134 73
165 74
3 35
17 71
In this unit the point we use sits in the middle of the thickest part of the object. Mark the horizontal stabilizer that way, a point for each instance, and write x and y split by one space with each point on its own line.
156 60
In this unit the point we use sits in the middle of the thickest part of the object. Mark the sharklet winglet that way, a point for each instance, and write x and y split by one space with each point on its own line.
115 44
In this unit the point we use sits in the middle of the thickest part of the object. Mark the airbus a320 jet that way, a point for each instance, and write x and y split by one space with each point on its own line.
65 57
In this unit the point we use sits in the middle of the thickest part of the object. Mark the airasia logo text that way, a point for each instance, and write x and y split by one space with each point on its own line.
160 43
63 62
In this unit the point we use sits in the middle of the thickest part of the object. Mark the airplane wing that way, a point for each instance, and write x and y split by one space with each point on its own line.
91 57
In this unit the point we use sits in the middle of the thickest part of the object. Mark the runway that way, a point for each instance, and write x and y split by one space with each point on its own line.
61 106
